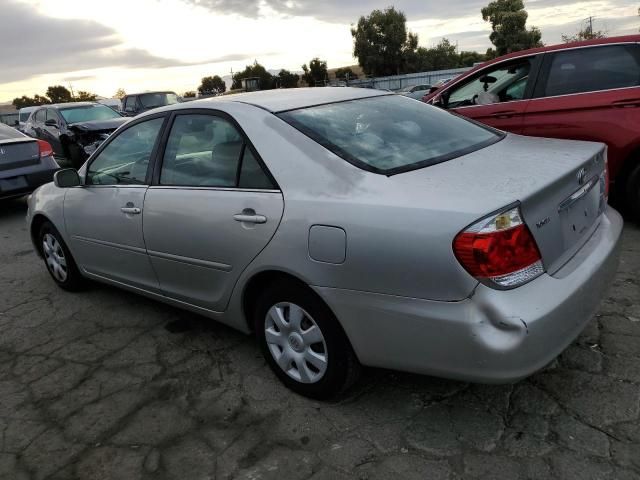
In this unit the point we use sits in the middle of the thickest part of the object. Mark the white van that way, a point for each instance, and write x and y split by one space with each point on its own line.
23 116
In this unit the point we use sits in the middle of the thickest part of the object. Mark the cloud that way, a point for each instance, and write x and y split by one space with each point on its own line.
341 11
34 44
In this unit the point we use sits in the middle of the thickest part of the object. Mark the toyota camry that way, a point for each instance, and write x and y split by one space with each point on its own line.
344 227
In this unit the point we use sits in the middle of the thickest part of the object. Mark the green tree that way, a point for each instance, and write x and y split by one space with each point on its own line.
82 96
212 86
346 73
120 93
24 101
255 70
586 33
508 20
189 94
467 59
286 79
381 42
59 94
315 73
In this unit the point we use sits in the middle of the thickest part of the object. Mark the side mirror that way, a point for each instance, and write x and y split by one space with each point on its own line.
51 122
66 178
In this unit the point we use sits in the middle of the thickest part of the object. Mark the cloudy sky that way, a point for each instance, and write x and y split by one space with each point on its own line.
103 45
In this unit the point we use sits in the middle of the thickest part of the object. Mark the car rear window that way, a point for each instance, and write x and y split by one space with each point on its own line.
390 134
88 113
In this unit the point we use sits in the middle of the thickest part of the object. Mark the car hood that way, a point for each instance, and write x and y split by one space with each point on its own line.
98 125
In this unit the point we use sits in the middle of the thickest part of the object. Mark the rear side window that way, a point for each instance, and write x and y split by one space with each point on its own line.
208 151
592 69
391 133
40 116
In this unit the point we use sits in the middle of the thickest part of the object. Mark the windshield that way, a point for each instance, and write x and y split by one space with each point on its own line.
24 116
88 113
153 100
391 133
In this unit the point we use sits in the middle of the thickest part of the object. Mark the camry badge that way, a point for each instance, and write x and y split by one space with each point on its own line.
582 176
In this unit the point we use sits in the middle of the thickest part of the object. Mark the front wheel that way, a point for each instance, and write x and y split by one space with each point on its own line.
58 259
303 342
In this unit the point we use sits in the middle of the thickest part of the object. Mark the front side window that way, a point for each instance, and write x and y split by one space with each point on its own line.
88 113
125 160
592 69
208 151
130 104
503 83
51 115
391 133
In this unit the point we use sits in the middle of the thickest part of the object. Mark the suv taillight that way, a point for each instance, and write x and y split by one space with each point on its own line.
44 148
499 250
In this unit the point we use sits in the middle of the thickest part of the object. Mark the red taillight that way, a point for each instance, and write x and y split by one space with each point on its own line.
45 148
499 250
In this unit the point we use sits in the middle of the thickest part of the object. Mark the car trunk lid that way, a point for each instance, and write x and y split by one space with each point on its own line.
18 153
557 182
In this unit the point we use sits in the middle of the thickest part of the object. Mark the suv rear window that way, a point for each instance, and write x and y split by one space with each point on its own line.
390 134
593 69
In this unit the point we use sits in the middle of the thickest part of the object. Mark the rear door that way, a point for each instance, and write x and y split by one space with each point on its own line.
589 93
497 95
211 209
104 217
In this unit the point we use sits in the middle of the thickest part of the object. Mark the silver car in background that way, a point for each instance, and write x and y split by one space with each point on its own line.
344 227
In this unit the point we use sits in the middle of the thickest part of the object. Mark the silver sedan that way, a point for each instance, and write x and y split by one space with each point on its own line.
344 227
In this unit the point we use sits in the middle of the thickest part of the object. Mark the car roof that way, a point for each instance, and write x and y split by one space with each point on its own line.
27 109
560 46
283 99
152 91
70 104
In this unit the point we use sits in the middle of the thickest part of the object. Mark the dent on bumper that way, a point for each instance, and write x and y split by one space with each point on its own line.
494 336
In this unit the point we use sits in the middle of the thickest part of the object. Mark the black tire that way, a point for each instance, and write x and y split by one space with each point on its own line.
632 193
73 280
342 368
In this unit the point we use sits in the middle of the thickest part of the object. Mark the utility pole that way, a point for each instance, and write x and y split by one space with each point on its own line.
590 30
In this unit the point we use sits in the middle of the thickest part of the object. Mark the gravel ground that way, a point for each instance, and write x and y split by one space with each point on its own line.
108 385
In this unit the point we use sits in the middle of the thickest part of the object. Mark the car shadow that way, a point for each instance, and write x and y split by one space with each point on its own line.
14 207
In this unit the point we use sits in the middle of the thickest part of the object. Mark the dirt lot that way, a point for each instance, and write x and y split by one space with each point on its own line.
108 385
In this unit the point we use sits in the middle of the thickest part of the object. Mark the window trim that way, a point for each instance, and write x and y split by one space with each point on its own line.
117 133
155 179
545 68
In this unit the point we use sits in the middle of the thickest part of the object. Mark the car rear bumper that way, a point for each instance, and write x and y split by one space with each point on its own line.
493 336
24 183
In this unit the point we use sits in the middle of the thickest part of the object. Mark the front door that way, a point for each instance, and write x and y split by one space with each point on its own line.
212 209
496 96
104 217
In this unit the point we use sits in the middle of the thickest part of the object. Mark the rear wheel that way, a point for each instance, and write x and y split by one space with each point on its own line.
303 342
632 193
58 259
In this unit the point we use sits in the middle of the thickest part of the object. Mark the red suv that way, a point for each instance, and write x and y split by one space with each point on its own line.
586 90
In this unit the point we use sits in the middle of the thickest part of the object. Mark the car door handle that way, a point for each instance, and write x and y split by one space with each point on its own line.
131 210
630 103
243 217
505 114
